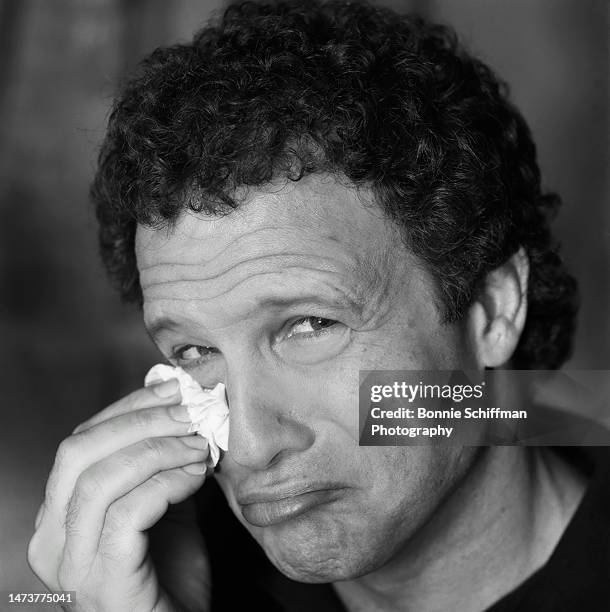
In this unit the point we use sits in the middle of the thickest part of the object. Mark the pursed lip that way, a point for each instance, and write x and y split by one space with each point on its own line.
265 508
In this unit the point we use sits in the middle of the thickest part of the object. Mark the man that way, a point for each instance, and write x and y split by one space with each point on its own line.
303 192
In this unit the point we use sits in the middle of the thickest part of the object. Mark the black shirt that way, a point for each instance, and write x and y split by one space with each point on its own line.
576 577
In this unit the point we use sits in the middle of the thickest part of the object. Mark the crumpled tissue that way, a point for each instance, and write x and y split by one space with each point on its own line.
207 407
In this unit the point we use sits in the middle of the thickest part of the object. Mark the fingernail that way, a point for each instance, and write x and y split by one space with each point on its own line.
166 389
179 413
195 468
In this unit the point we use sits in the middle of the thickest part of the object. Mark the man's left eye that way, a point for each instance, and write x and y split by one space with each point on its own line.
311 327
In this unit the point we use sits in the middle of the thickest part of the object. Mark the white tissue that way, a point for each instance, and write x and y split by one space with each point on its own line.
207 407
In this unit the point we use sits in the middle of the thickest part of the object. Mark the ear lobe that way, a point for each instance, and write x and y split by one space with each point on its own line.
497 316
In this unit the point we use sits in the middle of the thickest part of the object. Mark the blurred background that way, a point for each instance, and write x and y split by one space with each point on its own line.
67 345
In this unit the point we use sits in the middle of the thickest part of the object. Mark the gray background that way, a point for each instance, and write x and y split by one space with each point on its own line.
68 347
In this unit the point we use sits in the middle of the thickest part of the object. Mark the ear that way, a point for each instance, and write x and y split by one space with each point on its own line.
497 316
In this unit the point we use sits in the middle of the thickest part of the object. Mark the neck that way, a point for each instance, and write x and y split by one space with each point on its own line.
500 525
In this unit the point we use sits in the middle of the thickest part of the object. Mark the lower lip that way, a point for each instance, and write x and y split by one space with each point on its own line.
264 514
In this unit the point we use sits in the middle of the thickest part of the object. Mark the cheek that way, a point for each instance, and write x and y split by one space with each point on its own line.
325 400
404 487
338 404
409 475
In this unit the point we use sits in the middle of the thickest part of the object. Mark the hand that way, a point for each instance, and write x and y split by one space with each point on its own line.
113 479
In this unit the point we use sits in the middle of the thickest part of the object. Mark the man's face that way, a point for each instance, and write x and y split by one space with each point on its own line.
285 300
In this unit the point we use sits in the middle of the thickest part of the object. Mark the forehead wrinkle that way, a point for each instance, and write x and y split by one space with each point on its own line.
194 271
360 286
280 237
274 292
366 266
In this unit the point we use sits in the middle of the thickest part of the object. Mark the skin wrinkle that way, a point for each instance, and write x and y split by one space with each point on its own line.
342 296
365 295
224 270
366 315
362 293
319 232
165 291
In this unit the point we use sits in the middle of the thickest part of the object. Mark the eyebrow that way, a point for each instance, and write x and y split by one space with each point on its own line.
344 302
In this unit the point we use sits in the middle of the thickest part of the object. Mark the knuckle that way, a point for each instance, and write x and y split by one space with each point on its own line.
70 449
50 488
73 509
65 451
131 461
160 481
154 448
71 514
89 485
118 517
143 419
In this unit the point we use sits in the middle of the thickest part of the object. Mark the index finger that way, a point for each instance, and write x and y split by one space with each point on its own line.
162 394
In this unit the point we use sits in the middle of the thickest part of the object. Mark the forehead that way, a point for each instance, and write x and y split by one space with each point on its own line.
317 226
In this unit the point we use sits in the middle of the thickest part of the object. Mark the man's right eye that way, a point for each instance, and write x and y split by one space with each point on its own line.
191 353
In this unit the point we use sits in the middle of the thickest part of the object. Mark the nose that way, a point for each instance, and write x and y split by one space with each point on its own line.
263 422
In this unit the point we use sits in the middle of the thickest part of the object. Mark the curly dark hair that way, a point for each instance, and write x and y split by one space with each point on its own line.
391 103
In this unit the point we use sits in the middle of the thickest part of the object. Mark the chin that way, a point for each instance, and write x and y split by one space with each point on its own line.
319 551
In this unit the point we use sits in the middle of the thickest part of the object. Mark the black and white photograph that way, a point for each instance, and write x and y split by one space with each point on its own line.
305 306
